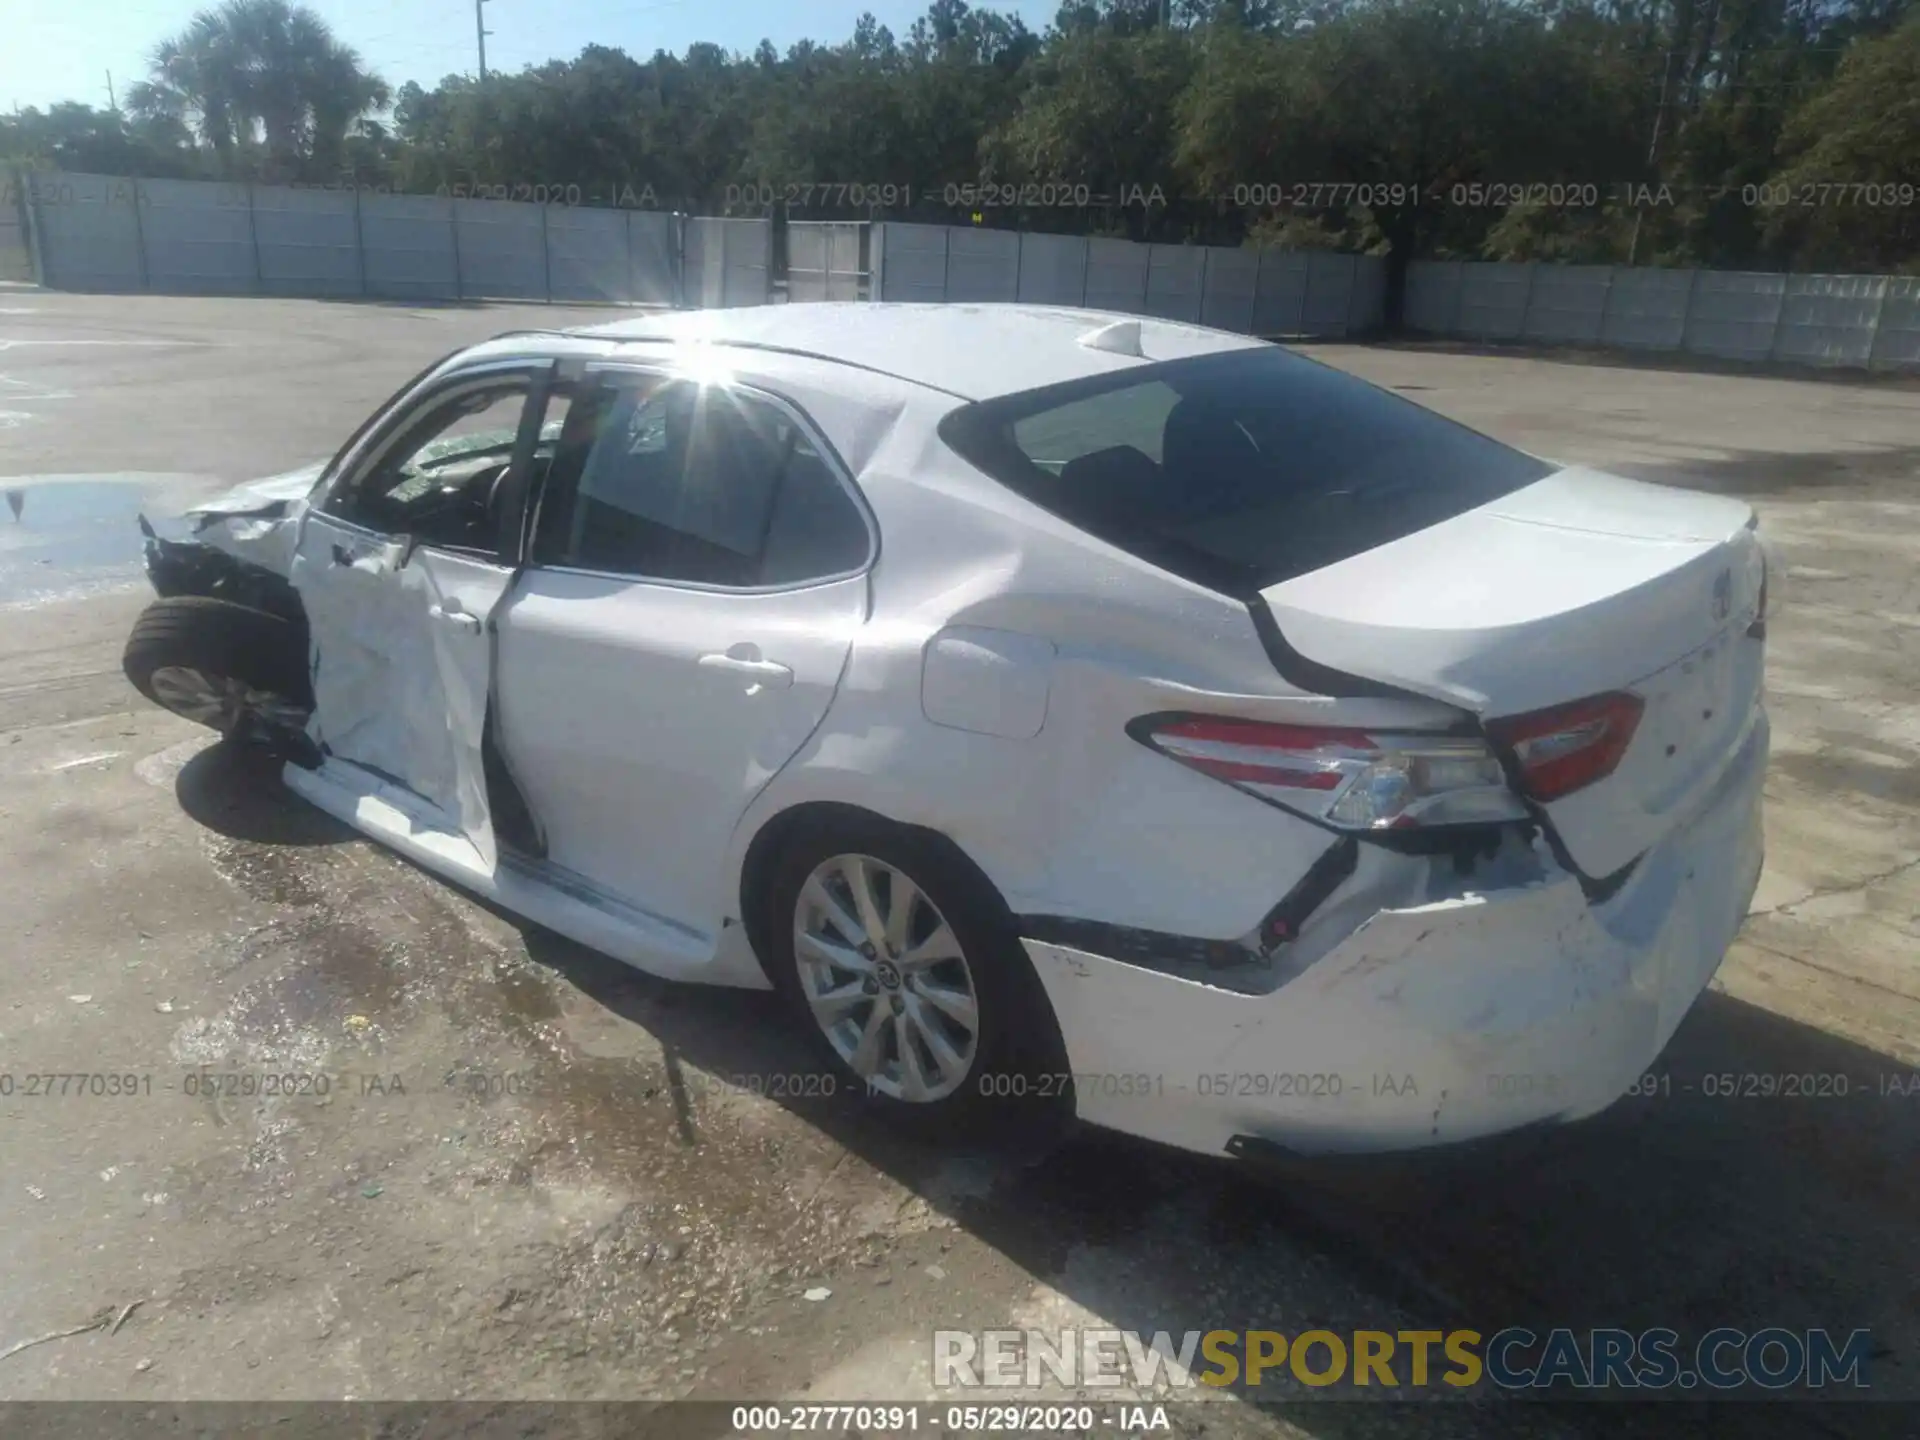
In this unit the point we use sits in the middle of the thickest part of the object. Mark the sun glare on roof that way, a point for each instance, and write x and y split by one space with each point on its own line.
702 363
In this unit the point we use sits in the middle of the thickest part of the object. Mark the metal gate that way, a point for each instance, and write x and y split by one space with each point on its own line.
726 262
826 260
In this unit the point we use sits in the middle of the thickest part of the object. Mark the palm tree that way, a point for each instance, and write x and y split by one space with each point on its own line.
197 80
264 82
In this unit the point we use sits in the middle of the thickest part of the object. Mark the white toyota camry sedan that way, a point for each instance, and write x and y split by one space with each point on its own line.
1062 709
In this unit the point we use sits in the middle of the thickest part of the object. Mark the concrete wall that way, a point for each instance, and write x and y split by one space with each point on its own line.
1053 269
308 241
501 246
16 245
194 237
1266 292
1896 335
197 238
981 264
410 247
89 232
1117 275
99 232
1853 320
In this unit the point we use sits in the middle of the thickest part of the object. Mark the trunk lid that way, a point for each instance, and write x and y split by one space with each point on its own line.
1578 584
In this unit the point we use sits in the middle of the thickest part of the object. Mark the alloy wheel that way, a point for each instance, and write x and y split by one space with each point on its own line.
886 978
220 701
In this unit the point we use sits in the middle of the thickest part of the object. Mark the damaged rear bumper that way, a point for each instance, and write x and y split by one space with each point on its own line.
1432 1024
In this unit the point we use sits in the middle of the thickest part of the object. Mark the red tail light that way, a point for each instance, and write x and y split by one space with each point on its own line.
1349 779
1568 747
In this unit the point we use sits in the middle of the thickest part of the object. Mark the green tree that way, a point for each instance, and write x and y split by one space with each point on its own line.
1860 136
265 85
1361 124
70 136
1100 109
1384 117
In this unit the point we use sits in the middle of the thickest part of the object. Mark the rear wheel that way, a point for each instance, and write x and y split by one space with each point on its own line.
235 669
905 968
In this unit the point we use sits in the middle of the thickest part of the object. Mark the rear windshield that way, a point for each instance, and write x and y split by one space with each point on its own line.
1237 470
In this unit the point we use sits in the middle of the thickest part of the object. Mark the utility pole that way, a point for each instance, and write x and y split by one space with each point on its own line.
480 33
112 103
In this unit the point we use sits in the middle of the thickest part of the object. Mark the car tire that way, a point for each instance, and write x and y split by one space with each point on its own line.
239 670
1015 1078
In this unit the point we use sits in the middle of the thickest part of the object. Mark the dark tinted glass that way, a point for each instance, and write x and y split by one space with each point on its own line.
816 529
1237 470
681 482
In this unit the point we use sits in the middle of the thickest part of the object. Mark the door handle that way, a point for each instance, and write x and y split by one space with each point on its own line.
451 612
769 673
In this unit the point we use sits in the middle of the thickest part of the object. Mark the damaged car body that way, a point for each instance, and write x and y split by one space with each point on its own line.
1060 710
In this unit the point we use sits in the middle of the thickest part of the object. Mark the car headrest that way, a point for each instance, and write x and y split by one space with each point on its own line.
1118 479
1205 438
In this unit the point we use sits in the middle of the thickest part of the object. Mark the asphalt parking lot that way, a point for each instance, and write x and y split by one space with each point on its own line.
537 1174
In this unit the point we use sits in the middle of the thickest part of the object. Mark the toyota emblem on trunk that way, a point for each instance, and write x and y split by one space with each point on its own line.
1723 595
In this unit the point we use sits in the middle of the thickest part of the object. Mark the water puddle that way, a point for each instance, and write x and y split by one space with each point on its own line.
70 535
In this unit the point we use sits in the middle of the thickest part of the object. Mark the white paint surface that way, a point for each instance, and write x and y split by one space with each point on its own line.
992 682
402 665
979 679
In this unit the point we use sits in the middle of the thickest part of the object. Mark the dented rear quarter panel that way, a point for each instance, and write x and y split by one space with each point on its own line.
1071 817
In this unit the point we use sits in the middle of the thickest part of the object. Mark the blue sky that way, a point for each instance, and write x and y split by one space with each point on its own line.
63 49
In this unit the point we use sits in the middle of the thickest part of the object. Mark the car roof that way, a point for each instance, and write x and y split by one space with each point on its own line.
972 352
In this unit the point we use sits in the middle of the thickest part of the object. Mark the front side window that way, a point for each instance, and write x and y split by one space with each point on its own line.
438 478
1237 470
700 484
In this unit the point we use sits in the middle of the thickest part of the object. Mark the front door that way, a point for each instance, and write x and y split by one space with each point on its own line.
697 574
400 568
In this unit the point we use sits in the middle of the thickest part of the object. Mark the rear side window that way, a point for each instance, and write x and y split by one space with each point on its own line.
1236 470
699 484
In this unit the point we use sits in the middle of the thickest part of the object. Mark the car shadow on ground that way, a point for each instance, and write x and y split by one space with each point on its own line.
1715 1199
1774 474
236 791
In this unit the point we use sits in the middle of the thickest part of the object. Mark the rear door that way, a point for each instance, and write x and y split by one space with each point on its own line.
400 568
699 562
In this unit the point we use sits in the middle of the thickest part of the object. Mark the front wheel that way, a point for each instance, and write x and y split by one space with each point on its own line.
911 978
238 670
